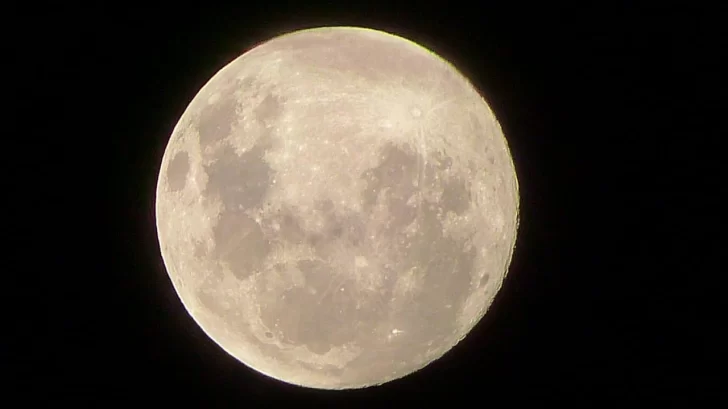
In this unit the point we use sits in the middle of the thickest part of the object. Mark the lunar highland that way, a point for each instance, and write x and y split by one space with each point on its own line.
337 207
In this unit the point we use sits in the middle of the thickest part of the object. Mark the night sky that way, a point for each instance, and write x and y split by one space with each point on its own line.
610 117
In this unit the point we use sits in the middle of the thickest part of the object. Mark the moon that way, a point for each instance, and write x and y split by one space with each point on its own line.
337 207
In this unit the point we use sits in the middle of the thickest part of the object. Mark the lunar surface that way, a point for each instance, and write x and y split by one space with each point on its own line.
337 207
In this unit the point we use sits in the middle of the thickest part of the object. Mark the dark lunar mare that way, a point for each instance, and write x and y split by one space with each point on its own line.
240 183
177 171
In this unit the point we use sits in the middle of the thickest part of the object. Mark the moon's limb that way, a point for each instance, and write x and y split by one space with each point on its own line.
337 207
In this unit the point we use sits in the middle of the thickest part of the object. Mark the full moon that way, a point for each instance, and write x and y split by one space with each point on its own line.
337 207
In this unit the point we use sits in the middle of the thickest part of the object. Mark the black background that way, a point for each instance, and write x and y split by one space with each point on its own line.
611 116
